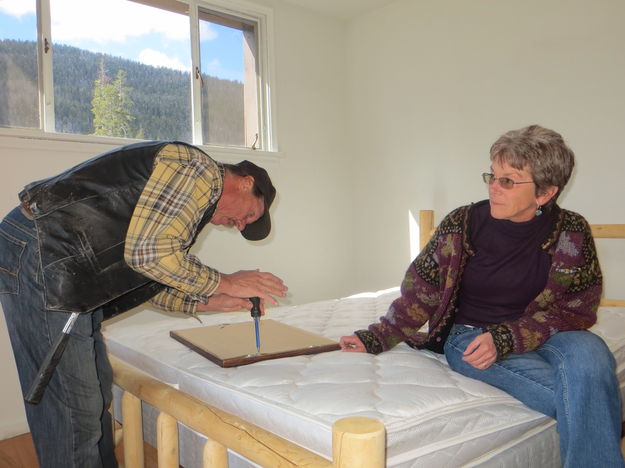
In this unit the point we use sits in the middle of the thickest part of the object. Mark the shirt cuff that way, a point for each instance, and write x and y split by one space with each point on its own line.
371 342
172 300
502 337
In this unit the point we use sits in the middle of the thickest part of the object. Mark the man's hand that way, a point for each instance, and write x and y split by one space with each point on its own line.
224 303
352 344
481 352
251 283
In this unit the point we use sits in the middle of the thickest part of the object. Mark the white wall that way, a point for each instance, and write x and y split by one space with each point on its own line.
307 246
434 83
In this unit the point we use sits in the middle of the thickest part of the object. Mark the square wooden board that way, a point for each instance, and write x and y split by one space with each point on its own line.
234 344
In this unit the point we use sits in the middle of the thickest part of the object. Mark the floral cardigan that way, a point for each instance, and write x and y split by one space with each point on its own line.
430 288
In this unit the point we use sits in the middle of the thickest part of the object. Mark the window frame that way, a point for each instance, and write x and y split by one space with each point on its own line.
246 11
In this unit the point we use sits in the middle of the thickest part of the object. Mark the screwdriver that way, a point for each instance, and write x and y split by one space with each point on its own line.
256 316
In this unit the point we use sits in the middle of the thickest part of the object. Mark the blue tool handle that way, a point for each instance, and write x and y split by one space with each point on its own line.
256 326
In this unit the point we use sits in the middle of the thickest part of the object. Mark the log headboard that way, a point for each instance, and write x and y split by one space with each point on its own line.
599 231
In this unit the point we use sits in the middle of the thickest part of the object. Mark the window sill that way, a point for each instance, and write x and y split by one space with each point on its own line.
21 138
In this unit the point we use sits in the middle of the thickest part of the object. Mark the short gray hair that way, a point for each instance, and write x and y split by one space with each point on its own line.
542 151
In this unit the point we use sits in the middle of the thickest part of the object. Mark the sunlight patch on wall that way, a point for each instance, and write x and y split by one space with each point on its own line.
413 232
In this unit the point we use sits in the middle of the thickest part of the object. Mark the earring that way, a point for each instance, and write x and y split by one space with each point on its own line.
539 210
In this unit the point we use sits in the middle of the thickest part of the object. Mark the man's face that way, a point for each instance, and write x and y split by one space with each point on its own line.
238 209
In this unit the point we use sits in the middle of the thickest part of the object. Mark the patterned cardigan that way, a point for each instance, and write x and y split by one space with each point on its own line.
430 288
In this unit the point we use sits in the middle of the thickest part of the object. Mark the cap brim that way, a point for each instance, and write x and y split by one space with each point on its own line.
259 229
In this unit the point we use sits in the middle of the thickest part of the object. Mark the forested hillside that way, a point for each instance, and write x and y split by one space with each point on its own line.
160 97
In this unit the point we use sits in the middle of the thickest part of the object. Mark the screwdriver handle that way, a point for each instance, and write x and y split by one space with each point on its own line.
256 316
255 306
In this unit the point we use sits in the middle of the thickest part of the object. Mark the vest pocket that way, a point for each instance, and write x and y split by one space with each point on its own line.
11 250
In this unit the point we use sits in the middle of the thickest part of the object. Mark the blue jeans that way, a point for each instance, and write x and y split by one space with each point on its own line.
570 378
71 426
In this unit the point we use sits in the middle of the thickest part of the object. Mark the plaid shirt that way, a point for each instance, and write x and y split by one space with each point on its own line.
183 185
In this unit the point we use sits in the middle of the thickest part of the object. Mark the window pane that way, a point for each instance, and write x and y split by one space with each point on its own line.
227 54
19 95
121 69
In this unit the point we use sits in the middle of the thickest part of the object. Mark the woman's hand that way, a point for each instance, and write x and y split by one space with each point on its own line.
481 352
252 283
352 344
224 303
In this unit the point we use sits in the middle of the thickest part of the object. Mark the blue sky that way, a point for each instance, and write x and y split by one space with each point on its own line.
129 30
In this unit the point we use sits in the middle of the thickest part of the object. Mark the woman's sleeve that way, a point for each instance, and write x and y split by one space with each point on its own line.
419 299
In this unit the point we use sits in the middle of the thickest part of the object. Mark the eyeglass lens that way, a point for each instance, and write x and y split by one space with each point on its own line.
504 182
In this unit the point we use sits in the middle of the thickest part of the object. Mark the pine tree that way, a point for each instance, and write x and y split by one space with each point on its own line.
111 105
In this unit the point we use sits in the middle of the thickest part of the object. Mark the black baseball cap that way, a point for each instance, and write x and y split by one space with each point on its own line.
260 228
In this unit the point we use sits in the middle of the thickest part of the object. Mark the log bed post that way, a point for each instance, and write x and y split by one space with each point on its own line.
132 430
215 455
167 441
358 441
426 227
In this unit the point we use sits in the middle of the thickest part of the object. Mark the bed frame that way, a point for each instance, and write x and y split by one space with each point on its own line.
356 441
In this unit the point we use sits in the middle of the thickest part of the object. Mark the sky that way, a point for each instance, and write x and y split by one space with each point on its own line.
130 30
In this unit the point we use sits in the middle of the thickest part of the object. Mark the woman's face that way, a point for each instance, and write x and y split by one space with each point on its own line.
519 203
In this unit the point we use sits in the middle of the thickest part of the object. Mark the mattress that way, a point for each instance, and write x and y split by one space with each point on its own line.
433 416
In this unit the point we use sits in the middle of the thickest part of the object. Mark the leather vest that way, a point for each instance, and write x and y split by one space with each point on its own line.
82 216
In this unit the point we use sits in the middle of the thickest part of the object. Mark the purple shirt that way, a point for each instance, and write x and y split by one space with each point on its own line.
509 268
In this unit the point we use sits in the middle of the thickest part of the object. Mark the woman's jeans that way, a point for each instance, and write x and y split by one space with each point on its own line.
570 378
71 426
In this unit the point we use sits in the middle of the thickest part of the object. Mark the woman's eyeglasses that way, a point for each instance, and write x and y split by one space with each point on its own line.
504 182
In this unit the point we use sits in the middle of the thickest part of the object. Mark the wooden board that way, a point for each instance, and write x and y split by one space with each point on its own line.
234 344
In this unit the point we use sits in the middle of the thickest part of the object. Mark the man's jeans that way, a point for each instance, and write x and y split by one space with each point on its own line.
71 426
570 378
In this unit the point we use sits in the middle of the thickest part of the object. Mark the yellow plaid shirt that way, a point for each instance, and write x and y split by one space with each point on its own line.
184 183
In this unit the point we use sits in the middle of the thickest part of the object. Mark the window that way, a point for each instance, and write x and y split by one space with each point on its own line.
140 69
19 94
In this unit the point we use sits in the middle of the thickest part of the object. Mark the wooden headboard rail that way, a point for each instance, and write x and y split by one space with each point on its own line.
599 231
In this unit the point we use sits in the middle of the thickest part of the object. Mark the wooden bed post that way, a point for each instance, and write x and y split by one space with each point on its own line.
215 455
167 441
609 231
358 441
132 431
426 227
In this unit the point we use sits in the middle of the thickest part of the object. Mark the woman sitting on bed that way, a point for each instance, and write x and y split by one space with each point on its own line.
509 285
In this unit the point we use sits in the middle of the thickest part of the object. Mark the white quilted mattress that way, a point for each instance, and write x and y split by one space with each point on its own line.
433 416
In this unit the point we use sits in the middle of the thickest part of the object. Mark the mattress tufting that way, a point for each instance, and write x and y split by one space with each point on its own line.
433 416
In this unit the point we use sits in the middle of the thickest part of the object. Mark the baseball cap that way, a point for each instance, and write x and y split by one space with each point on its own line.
260 228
